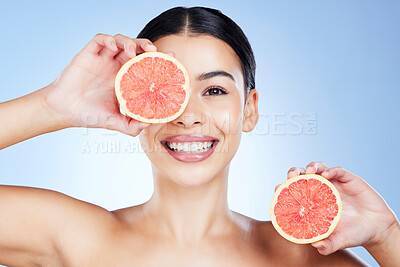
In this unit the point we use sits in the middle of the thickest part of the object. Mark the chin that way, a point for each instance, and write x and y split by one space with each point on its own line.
192 176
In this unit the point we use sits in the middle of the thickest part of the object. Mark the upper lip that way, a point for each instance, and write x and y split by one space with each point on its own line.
189 138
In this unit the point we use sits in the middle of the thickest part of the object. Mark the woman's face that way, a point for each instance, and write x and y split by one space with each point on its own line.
214 114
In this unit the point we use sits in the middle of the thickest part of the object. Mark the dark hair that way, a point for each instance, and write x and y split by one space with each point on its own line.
203 20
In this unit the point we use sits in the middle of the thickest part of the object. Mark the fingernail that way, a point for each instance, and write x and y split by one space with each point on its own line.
151 46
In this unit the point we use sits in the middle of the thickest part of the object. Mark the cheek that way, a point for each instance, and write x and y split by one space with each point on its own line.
147 138
228 121
227 117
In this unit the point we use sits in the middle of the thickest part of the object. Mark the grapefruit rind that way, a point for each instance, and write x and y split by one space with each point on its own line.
334 222
135 59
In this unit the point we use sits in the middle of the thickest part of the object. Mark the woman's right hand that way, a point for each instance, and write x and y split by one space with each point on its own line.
83 94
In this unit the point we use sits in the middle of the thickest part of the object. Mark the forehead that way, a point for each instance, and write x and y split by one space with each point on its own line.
201 54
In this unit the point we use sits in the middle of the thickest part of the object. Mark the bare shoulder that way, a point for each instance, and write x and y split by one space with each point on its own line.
85 231
77 225
48 224
290 254
76 219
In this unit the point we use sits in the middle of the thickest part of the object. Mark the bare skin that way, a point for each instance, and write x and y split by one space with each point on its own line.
69 232
187 221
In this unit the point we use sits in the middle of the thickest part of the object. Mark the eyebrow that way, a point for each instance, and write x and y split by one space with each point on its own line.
212 74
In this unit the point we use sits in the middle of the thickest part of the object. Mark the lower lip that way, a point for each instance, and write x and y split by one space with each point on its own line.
191 157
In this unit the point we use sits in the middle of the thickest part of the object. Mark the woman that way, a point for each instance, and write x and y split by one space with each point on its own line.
187 221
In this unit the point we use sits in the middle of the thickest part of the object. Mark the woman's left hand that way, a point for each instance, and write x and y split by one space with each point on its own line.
366 218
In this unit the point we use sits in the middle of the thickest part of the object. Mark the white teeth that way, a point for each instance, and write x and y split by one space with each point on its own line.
186 147
193 147
190 147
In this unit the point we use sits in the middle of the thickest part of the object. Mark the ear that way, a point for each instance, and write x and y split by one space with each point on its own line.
250 116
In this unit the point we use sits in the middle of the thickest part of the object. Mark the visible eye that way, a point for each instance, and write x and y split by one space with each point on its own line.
215 91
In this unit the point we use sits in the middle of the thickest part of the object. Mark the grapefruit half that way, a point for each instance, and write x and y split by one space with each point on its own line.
306 208
152 87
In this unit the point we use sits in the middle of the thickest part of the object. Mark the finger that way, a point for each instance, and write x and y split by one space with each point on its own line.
276 187
99 42
144 45
126 44
316 167
331 244
295 171
338 173
126 125
131 47
123 43
121 57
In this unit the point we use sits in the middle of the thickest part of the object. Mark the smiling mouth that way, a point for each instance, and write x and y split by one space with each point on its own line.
189 147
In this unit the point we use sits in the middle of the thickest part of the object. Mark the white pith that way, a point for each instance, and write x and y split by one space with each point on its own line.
190 147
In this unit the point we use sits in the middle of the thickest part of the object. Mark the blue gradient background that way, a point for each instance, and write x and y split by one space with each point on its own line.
338 60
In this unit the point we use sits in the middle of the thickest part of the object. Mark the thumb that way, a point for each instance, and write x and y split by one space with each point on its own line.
126 125
331 244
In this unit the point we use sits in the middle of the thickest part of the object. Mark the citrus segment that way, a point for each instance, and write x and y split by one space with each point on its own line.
306 208
152 87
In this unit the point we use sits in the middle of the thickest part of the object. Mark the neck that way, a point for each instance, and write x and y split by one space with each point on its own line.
189 214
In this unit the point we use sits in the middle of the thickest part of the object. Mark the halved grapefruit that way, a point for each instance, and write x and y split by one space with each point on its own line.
152 87
306 208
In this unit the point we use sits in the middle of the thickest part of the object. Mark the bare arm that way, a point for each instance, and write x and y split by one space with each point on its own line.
37 226
26 117
82 96
386 249
23 243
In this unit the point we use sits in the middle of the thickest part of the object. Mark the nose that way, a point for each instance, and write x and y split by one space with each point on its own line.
191 116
